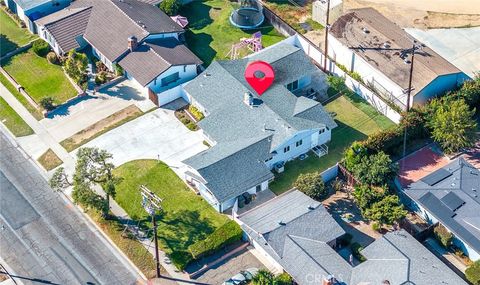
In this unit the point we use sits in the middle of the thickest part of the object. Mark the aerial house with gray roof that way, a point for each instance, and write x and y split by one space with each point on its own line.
250 134
450 196
296 234
134 34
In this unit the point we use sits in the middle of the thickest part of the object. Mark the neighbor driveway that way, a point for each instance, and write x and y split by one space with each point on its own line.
89 109
155 135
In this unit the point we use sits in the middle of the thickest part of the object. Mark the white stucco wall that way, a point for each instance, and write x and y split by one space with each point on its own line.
310 138
185 73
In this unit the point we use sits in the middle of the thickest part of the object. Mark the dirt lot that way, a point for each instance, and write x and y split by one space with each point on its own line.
425 13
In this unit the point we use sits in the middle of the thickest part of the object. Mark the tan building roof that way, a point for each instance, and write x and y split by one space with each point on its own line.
380 42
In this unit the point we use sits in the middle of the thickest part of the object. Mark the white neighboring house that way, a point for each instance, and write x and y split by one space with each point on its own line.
132 34
31 10
366 42
251 135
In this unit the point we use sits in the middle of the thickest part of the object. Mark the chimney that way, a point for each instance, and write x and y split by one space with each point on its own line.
248 99
132 43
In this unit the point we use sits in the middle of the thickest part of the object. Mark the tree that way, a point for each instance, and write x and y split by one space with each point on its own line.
376 169
354 154
366 195
473 273
263 277
170 7
52 57
312 185
76 66
47 103
386 211
452 124
93 167
470 91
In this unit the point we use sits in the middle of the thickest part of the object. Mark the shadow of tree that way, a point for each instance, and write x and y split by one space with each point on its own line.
6 45
200 45
198 14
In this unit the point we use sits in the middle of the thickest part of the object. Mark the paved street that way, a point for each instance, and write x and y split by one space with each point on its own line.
43 238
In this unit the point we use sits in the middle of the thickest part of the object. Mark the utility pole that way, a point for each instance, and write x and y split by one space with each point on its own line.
409 92
151 204
327 26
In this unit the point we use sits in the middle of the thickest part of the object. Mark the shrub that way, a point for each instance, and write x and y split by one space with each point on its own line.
180 259
195 112
47 103
52 57
337 185
356 248
40 47
170 7
283 279
100 66
354 154
118 70
228 233
312 185
470 91
101 78
443 235
473 273
263 277
376 169
376 226
76 66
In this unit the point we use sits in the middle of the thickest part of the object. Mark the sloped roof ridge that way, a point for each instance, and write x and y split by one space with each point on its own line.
159 56
233 152
116 6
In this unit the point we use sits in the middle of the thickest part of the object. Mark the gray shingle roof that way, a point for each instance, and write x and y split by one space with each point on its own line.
66 26
154 57
299 244
460 214
348 29
232 169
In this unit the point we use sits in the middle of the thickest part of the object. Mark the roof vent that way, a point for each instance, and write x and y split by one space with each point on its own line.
248 100
281 223
206 74
311 207
386 45
365 30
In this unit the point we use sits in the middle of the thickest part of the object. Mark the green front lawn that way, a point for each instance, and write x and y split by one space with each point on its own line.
356 120
210 35
13 121
11 35
39 78
186 218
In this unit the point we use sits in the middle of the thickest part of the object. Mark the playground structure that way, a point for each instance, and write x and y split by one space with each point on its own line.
248 16
254 44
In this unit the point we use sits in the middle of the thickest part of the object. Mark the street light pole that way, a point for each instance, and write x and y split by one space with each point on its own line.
326 37
151 204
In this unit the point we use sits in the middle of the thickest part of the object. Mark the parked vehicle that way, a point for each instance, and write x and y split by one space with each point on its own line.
242 278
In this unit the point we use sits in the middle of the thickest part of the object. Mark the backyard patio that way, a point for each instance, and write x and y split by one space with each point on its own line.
356 120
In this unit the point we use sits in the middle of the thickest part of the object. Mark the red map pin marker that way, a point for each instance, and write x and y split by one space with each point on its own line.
259 75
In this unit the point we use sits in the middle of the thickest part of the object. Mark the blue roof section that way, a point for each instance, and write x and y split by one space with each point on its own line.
29 4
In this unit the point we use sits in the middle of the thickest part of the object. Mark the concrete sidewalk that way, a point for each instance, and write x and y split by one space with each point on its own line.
44 137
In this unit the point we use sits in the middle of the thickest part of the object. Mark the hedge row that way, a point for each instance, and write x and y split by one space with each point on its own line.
228 233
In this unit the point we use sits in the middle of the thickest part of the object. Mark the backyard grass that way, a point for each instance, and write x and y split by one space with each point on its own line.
186 218
49 160
11 35
356 120
13 121
210 35
39 77
34 111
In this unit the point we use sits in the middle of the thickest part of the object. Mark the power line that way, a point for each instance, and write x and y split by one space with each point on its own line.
152 204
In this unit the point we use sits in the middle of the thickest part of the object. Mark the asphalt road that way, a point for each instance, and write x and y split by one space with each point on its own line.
43 238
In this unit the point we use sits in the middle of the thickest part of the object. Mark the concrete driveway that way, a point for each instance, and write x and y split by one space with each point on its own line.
155 135
459 46
89 109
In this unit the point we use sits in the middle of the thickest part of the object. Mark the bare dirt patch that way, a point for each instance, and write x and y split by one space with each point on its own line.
49 160
116 119
424 14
